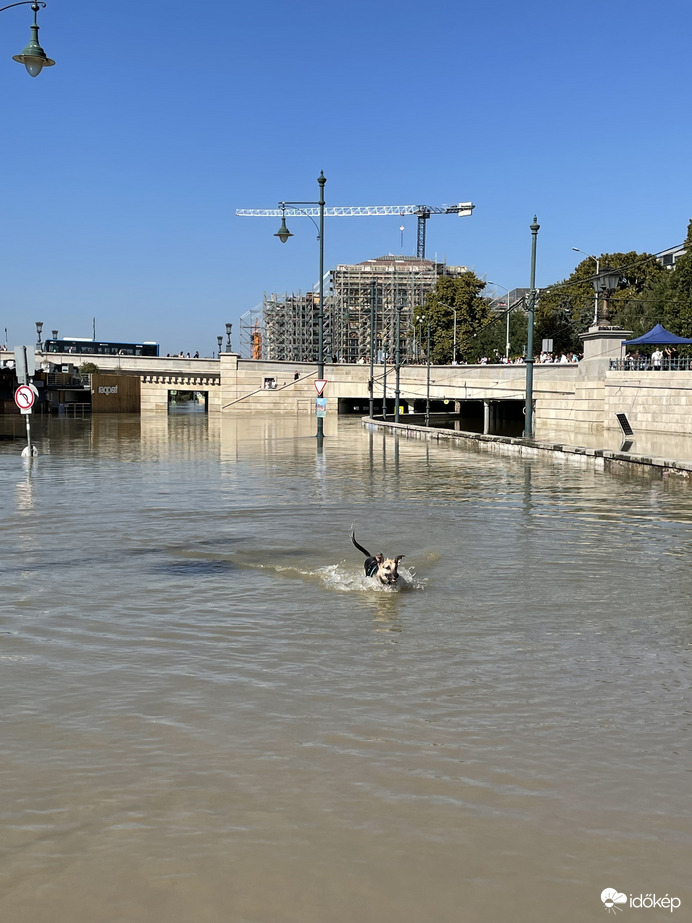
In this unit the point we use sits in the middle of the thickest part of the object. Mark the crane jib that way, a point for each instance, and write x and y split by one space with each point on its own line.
423 212
463 209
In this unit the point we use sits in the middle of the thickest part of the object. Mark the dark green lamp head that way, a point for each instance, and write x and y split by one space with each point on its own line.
34 57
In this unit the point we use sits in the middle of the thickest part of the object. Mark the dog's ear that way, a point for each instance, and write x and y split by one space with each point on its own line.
398 558
379 558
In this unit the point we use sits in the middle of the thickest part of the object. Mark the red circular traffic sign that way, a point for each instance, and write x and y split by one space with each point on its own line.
24 397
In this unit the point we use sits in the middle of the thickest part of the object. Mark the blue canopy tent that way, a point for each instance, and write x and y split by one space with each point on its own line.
658 336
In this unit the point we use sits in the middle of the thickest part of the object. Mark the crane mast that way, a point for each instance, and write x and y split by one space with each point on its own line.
422 212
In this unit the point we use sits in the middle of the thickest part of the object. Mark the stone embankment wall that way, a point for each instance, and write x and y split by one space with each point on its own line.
585 397
658 402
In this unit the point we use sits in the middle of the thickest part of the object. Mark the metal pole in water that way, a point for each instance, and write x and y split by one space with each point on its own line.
528 409
371 383
397 386
427 388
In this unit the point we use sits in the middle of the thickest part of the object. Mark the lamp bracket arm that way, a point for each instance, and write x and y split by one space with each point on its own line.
34 4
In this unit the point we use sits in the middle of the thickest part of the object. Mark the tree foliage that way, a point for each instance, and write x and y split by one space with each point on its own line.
675 297
647 293
473 314
566 309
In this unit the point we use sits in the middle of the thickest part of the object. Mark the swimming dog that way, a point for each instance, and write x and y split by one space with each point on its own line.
384 570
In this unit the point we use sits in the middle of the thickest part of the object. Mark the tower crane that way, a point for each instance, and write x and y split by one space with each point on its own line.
423 212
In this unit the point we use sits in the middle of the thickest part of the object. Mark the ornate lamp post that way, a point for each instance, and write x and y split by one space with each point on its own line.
39 328
283 234
219 340
605 282
229 328
33 57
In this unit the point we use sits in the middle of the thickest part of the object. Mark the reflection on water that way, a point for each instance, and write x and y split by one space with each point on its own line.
209 713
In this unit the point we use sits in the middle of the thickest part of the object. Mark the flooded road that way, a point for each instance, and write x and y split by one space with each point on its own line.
209 714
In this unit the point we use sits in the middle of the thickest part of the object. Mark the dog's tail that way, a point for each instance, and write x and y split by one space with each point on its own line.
359 547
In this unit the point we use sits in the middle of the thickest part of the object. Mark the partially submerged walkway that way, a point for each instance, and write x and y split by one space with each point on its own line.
623 459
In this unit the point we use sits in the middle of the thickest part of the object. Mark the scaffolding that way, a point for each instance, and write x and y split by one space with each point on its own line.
395 285
290 324
252 333
287 326
284 329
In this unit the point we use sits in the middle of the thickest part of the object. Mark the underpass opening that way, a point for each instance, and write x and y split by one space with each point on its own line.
361 405
491 417
188 401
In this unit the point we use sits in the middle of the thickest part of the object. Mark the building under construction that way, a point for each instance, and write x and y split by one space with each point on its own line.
391 287
394 286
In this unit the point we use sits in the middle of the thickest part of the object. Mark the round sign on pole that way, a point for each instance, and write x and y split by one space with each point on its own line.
24 397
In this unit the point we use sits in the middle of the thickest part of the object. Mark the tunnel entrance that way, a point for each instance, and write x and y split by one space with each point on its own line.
188 401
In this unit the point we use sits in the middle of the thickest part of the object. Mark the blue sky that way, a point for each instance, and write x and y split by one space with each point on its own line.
123 165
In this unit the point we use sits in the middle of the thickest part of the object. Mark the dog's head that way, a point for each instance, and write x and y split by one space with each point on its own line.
387 569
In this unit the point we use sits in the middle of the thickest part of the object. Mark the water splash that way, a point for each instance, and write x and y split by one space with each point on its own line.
344 579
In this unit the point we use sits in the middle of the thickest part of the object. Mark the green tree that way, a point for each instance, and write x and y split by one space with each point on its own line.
566 309
473 313
676 295
491 341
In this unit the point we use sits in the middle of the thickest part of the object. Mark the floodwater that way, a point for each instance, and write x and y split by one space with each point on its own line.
209 714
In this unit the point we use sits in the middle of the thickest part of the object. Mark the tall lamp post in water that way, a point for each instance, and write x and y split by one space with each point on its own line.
33 57
528 409
283 234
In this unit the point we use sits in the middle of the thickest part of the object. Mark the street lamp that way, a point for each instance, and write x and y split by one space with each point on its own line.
397 354
33 57
454 334
283 234
371 381
605 282
497 285
229 327
528 409
598 266
422 319
39 328
219 340
427 387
